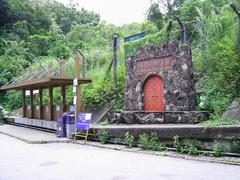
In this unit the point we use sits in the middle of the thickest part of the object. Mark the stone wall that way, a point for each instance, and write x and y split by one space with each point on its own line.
143 117
173 64
165 133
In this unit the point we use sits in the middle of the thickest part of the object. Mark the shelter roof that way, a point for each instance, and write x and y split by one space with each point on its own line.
43 83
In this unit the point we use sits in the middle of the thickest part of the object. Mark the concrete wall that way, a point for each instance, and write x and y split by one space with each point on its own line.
34 122
165 133
46 109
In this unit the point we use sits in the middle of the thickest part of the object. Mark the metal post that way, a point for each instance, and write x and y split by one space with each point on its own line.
84 63
115 59
169 29
183 30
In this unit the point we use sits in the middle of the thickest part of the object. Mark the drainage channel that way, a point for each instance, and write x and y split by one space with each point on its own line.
208 152
227 154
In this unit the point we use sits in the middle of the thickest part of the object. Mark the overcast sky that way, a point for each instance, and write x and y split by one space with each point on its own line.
117 12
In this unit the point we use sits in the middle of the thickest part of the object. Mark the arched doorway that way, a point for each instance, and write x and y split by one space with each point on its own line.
153 94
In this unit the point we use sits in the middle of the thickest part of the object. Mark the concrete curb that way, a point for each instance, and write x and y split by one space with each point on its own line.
133 150
37 141
21 139
164 153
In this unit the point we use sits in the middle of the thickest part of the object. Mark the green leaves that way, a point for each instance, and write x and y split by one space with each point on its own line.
129 139
102 92
218 149
103 136
131 47
150 142
60 51
223 73
154 14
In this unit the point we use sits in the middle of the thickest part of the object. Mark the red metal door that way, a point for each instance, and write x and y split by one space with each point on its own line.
153 94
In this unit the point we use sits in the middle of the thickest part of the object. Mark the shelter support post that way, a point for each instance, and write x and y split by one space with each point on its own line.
31 104
78 88
24 103
63 99
40 103
63 87
50 90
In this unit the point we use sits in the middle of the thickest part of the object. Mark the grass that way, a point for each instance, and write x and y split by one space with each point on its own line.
219 121
104 123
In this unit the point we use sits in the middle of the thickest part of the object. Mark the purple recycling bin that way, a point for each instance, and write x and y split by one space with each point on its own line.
61 125
62 120
70 118
70 125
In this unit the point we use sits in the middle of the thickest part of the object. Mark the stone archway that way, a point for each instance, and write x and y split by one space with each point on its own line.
153 94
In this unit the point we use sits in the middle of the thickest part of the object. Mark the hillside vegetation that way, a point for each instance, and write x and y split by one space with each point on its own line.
37 31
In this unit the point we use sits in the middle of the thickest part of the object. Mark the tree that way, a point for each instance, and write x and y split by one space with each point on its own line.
155 15
66 17
38 45
162 11
4 13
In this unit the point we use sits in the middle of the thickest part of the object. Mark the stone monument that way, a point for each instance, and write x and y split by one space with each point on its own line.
159 86
160 79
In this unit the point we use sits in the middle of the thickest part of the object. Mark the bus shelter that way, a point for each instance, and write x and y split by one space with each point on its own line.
40 79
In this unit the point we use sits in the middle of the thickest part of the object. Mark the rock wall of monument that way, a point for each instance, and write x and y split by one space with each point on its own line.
178 77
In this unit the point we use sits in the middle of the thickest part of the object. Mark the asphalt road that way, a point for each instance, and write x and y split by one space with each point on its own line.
62 161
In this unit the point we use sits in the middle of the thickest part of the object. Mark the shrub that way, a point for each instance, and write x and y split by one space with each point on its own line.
217 149
3 114
105 122
143 141
117 140
235 146
129 139
154 144
151 142
193 147
103 136
177 144
102 92
215 120
131 47
222 74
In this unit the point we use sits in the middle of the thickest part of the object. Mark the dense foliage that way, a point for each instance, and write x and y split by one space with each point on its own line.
35 32
212 30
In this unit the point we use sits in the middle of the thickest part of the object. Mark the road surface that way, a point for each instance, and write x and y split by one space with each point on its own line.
67 161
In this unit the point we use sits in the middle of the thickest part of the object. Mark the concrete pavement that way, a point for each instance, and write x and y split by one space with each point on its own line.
61 161
30 135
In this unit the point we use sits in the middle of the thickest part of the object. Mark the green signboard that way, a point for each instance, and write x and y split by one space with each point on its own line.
134 37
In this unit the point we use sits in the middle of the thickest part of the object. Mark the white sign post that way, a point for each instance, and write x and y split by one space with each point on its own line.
75 84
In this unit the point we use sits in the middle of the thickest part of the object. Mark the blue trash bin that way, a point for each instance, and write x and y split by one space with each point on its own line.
67 117
70 125
61 125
